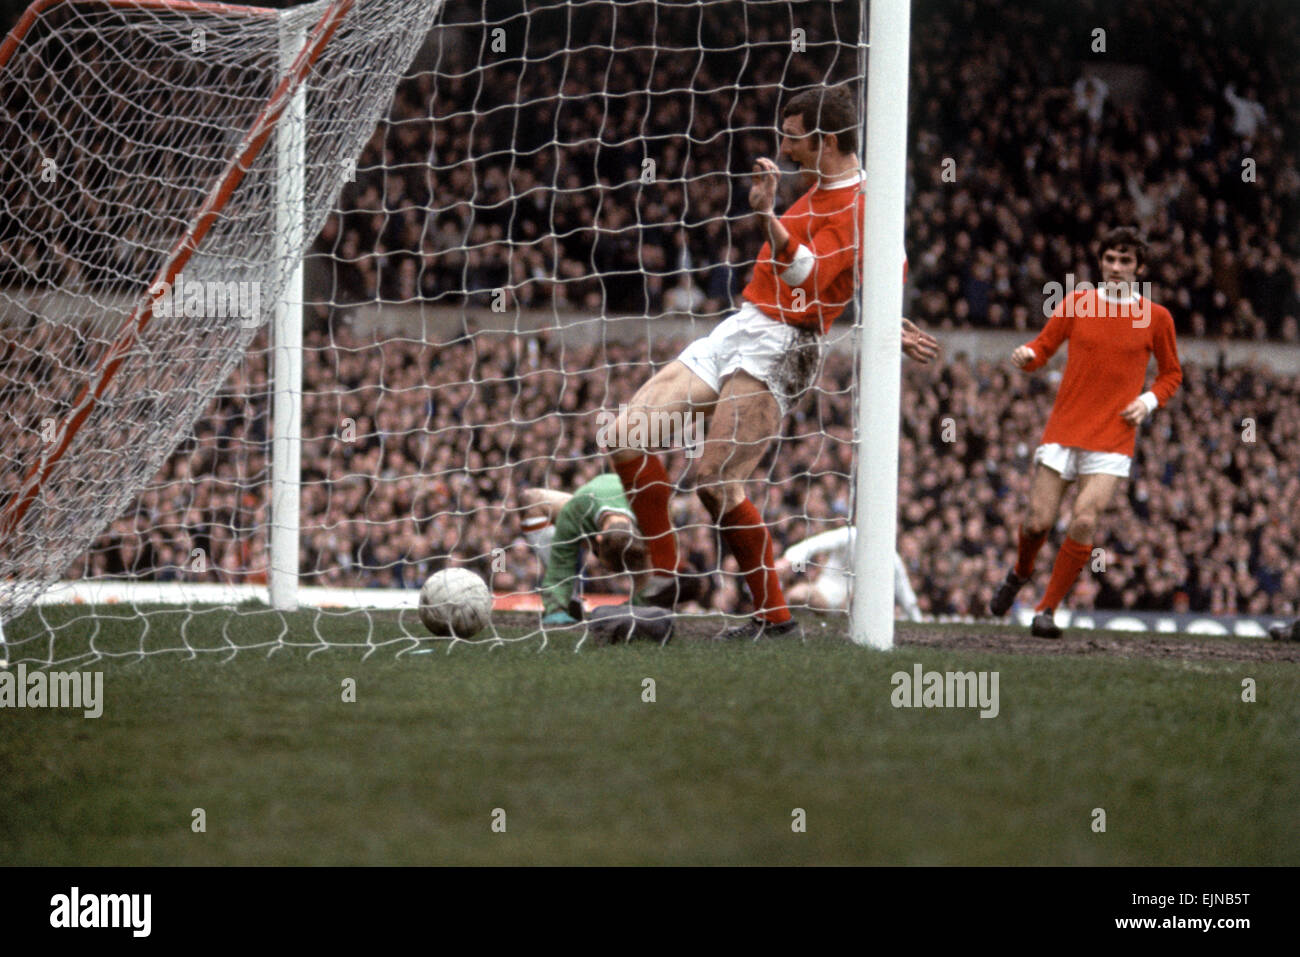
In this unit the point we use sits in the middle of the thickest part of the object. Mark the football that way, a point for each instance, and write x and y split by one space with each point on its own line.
455 603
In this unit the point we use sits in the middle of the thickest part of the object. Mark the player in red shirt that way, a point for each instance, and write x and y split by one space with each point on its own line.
1113 331
756 363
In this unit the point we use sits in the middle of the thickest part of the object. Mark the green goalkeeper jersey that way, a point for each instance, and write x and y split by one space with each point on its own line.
579 519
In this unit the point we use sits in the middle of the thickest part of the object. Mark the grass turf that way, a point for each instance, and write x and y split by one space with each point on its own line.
587 772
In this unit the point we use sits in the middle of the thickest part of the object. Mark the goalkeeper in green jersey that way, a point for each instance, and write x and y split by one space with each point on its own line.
557 525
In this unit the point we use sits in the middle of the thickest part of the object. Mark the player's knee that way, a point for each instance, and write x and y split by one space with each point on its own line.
1083 527
719 497
712 497
1038 523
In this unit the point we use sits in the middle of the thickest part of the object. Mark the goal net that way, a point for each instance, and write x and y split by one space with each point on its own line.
146 239
544 209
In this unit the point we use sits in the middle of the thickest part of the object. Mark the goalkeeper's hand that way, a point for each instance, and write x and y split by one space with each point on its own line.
558 619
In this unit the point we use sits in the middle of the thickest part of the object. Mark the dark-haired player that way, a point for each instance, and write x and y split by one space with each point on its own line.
1113 330
749 372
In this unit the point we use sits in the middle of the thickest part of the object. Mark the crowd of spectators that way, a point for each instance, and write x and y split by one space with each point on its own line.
593 158
414 455
608 179
1199 151
611 180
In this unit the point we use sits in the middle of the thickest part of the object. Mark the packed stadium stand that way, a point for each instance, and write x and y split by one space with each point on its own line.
489 180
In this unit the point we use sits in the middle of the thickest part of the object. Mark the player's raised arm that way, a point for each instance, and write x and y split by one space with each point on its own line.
762 200
817 545
817 258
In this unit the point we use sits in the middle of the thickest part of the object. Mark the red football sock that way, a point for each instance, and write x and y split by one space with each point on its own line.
749 540
1069 562
1027 550
647 486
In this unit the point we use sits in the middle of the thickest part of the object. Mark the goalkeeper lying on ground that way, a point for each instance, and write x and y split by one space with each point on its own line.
558 524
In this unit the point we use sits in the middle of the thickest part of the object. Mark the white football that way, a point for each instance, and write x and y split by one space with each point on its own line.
455 602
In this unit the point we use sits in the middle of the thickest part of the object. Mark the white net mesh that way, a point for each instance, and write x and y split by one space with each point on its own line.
137 156
554 205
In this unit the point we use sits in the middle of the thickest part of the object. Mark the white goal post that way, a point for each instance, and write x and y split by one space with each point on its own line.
871 619
286 339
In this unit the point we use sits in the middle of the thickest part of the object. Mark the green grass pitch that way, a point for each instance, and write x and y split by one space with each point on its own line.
562 750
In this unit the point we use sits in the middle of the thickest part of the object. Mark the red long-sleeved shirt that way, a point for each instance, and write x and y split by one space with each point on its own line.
820 258
1111 344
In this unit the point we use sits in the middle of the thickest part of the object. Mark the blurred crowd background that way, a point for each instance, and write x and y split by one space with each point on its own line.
530 174
414 456
589 159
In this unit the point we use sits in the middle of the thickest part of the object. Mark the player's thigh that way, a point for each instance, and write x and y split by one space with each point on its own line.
1046 489
659 412
1096 491
745 420
673 389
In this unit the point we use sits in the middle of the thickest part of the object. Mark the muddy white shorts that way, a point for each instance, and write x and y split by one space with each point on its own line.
785 359
1072 462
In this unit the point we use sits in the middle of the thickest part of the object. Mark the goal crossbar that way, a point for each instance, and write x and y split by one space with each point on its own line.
34 12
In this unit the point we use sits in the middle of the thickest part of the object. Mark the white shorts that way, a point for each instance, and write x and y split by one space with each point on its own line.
784 358
834 587
1072 462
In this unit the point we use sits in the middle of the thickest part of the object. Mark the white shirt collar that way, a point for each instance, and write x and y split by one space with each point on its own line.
1133 298
857 176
